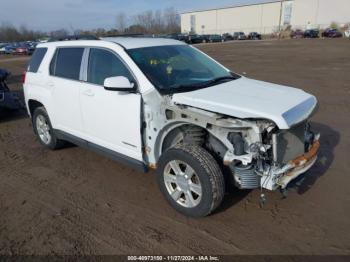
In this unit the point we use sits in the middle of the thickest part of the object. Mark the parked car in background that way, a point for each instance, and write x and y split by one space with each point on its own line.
7 49
32 44
196 39
2 48
239 36
20 48
74 37
43 40
24 50
205 38
180 37
183 38
332 33
3 45
227 37
213 38
297 34
254 36
311 33
347 33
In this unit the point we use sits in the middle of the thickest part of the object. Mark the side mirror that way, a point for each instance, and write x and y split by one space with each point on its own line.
118 83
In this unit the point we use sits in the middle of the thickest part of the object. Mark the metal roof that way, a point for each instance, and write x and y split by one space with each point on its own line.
259 2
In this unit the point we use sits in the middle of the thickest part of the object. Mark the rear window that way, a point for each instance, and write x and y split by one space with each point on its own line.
67 62
36 60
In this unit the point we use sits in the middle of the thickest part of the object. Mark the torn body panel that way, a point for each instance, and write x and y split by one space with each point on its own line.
248 146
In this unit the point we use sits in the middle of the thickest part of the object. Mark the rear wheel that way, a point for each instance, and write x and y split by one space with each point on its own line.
191 180
43 129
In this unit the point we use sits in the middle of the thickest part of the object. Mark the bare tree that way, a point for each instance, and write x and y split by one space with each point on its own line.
171 20
121 21
159 22
9 33
61 33
136 29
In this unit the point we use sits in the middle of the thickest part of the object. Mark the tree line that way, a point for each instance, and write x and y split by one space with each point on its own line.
10 33
165 21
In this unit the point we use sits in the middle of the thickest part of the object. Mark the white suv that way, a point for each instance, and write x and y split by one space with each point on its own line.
161 104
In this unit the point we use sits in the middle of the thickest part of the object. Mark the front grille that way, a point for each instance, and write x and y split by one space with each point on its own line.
291 143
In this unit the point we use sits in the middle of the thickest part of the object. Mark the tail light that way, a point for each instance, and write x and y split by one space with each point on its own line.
24 76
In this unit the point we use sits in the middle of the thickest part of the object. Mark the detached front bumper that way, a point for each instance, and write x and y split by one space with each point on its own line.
299 165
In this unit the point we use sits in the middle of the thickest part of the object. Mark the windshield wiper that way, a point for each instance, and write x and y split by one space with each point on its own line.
209 83
218 80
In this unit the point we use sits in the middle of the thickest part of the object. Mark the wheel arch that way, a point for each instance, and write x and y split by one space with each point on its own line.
34 104
170 131
162 136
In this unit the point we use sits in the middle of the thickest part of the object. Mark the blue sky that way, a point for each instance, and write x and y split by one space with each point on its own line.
87 14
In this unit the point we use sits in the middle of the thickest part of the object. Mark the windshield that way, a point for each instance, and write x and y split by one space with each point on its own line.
179 68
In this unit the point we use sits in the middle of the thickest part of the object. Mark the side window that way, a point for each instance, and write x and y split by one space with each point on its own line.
104 64
36 60
67 62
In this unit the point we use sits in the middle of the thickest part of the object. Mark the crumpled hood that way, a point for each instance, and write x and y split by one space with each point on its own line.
247 98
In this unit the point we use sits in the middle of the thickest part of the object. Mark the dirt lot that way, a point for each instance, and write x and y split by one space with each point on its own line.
73 201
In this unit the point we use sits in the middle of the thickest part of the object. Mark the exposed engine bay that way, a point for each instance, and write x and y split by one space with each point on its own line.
281 156
258 153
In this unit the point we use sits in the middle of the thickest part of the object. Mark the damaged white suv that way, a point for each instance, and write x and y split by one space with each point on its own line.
161 104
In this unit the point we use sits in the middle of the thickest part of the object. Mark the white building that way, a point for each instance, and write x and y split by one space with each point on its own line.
267 17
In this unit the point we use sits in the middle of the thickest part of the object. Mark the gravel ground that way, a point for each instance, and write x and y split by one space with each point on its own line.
74 201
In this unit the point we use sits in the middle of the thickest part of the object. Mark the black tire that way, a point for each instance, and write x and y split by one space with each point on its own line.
54 143
208 171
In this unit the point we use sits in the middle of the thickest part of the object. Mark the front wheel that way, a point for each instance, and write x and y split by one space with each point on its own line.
191 180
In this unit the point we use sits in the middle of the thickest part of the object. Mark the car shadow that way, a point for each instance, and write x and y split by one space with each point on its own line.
330 138
233 195
231 198
12 115
7 115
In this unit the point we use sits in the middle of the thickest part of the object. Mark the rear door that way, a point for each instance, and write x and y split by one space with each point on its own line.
111 119
65 75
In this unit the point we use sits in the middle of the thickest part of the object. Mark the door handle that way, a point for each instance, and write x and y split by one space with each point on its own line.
89 93
50 84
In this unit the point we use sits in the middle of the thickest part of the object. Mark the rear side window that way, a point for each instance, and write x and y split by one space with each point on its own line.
67 62
36 60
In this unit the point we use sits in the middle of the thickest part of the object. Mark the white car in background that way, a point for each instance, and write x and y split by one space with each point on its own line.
347 33
162 104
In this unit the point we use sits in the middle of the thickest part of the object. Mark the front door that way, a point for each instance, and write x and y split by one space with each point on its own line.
111 119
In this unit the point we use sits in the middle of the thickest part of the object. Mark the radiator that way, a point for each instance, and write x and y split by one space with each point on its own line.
291 143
